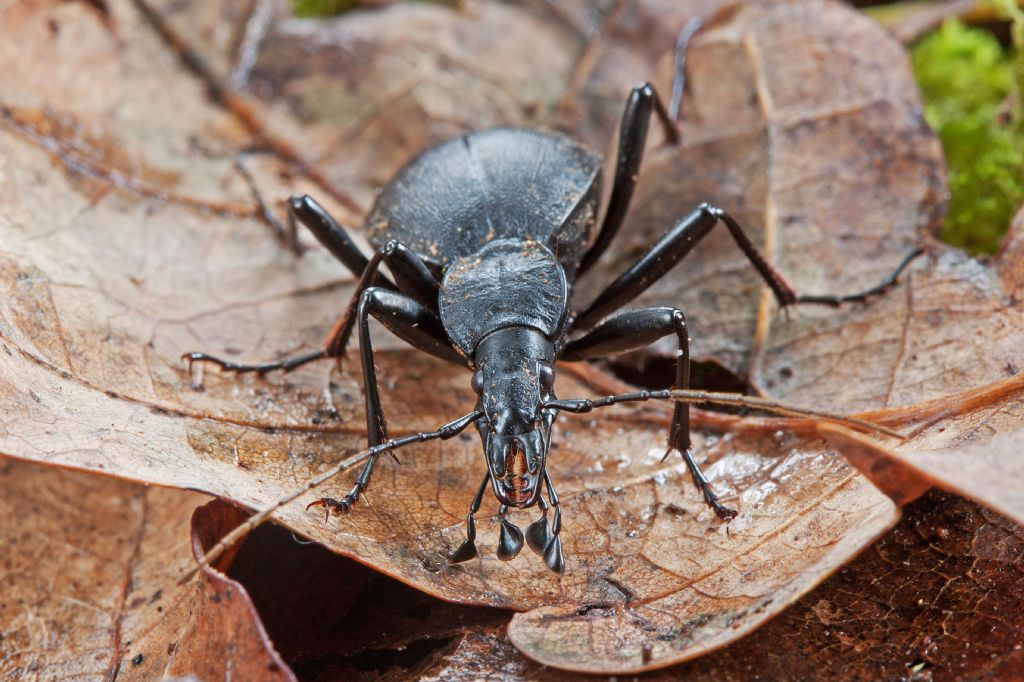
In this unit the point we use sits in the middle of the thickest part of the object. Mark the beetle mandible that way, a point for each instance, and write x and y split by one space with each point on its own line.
485 236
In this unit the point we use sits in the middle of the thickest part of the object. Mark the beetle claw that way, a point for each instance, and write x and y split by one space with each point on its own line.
332 505
721 511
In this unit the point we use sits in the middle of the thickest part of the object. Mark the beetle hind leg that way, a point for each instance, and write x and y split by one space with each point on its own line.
710 498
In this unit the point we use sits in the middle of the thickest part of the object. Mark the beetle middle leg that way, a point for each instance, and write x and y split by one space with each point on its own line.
633 329
413 278
680 240
409 321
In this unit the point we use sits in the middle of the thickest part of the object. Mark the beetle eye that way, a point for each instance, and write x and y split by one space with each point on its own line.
477 382
547 375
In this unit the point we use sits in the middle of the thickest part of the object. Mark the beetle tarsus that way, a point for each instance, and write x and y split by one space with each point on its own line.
834 301
723 512
710 498
286 365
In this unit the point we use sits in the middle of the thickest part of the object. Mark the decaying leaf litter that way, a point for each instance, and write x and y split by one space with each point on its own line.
97 311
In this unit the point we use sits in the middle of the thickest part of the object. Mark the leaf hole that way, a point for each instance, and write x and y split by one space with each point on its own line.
383 660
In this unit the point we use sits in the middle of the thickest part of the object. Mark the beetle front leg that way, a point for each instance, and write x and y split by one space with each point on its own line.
633 329
414 279
302 208
411 322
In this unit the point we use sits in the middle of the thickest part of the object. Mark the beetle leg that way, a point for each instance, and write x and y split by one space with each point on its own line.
679 65
330 233
446 431
633 329
553 556
681 239
642 102
409 321
286 364
467 550
413 277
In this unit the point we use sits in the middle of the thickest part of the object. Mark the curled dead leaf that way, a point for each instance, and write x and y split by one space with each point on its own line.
89 585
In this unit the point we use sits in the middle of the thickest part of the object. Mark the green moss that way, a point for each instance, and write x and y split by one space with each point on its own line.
973 102
327 8
323 8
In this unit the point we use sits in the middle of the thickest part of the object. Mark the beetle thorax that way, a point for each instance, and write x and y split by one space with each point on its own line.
507 283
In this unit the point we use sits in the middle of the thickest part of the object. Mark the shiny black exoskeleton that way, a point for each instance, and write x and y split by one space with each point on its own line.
485 236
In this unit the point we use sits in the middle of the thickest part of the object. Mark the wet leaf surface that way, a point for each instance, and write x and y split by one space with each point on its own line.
90 586
130 237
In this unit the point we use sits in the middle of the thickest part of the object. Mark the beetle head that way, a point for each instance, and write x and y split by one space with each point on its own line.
514 376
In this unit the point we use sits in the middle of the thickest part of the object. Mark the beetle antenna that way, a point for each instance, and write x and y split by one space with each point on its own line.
584 405
449 430
679 66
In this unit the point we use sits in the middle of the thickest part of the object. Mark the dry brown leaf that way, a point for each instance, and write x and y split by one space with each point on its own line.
804 120
939 597
683 618
128 239
90 586
990 472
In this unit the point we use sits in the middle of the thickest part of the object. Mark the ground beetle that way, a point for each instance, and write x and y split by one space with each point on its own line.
485 236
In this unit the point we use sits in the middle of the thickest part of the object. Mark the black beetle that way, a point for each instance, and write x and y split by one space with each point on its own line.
485 236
